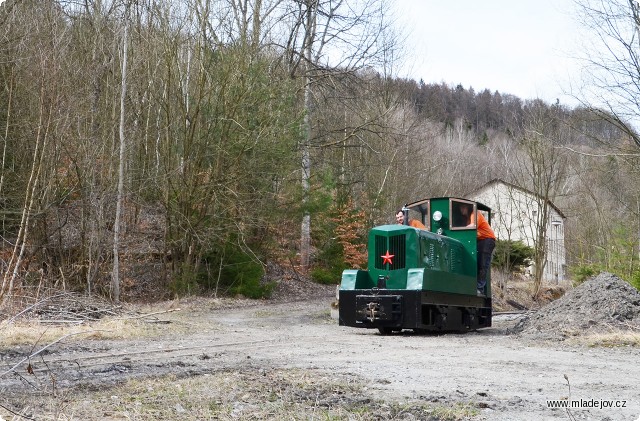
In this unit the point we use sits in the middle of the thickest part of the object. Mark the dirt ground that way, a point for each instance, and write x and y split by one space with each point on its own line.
275 359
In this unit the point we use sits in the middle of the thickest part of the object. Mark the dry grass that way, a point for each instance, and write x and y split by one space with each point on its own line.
131 321
290 394
30 332
611 339
34 332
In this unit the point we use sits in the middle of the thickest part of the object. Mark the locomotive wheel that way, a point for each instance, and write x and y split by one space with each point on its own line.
385 330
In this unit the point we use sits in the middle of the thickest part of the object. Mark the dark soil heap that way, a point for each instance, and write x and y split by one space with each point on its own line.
291 285
604 303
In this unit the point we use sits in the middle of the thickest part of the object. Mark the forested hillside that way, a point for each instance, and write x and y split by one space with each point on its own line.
202 142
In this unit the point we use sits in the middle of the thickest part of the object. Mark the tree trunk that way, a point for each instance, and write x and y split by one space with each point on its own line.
115 280
305 231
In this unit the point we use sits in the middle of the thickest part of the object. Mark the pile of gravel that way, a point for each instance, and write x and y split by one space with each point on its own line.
604 303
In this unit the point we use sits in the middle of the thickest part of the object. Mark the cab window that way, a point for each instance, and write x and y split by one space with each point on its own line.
463 214
420 212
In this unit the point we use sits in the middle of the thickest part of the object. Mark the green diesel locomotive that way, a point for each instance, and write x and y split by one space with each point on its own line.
420 279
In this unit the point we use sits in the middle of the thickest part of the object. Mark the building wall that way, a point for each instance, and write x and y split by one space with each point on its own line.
514 215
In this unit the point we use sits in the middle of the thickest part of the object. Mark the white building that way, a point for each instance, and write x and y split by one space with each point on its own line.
515 215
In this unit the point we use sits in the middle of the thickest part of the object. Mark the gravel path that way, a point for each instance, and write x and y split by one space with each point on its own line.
506 377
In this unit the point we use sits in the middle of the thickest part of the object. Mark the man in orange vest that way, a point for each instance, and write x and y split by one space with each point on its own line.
486 242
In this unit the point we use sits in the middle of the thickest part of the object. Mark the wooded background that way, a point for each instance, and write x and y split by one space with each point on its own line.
155 147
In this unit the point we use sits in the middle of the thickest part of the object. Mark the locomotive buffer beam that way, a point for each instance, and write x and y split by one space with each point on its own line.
378 308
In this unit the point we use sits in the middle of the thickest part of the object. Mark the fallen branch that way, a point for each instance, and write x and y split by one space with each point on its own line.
15 413
142 316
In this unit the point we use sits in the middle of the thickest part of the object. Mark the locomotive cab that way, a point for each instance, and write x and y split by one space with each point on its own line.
420 279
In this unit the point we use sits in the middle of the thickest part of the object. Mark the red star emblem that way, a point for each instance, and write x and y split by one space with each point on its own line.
386 258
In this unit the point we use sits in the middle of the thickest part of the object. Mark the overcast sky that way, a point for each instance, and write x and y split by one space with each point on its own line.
520 47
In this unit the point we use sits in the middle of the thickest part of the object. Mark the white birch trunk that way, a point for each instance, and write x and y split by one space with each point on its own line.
115 279
305 230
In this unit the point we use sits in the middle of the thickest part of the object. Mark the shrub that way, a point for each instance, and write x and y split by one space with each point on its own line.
342 239
327 276
184 282
512 255
227 270
635 280
583 272
241 274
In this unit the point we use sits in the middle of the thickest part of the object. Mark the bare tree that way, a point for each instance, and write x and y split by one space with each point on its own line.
329 40
611 80
115 280
611 90
32 128
541 168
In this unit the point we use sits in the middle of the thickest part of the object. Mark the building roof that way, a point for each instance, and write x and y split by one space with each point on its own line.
522 189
